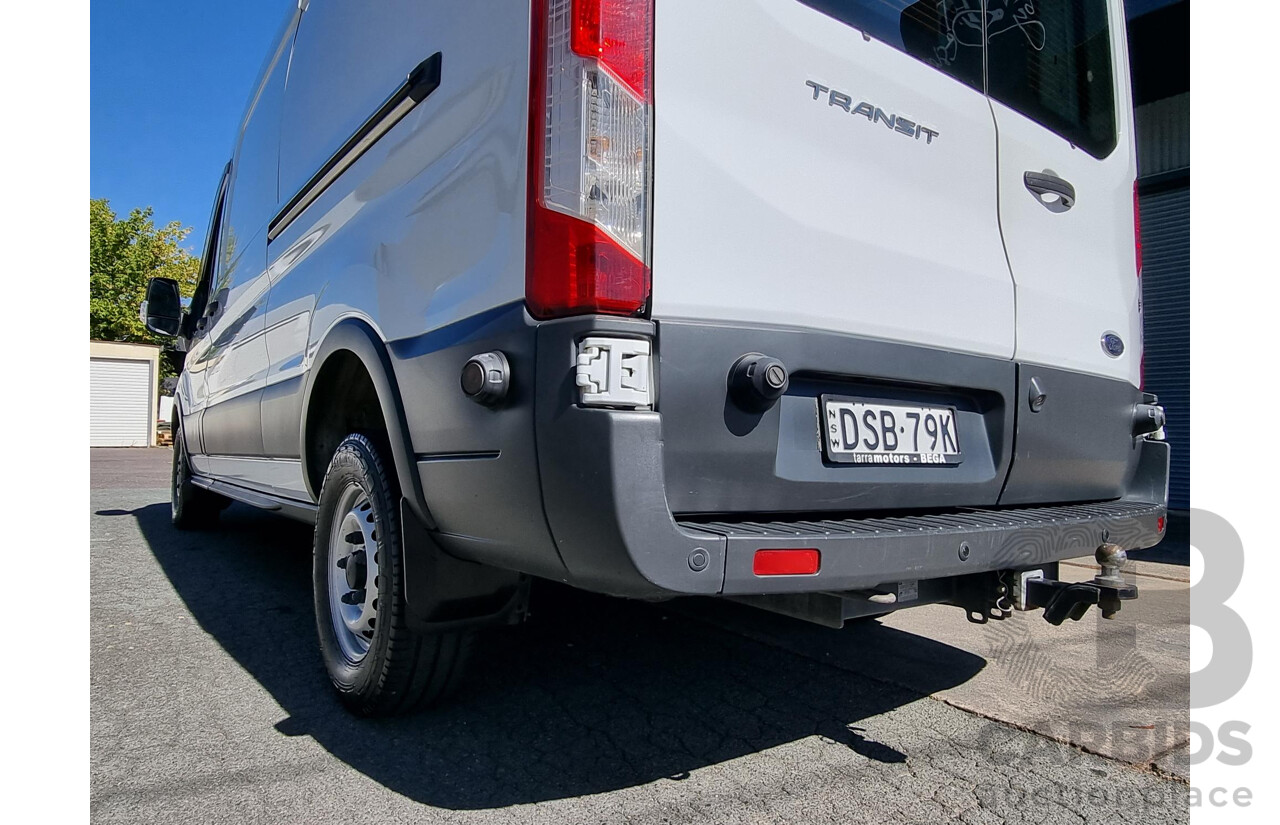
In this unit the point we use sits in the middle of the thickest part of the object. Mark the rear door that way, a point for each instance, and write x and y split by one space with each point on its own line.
1059 88
829 164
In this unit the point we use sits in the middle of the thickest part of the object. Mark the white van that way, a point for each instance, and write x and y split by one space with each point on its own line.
830 306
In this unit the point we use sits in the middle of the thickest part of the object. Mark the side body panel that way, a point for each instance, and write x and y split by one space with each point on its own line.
427 227
236 358
237 354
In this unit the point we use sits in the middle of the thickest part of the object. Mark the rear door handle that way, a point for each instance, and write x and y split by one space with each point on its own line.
1042 183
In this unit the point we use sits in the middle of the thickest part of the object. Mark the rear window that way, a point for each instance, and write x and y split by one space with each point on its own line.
946 34
1048 59
1051 60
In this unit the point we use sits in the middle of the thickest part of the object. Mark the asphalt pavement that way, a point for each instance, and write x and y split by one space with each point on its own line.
209 702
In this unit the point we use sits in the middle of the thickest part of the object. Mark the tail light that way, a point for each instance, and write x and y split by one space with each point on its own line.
589 157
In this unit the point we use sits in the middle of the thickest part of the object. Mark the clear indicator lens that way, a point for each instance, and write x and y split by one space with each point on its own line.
596 147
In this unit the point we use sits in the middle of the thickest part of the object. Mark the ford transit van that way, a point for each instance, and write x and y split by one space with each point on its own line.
828 306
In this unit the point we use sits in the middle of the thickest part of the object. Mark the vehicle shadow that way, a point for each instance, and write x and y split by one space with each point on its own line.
593 694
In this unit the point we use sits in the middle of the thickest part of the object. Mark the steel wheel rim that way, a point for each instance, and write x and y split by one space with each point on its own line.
352 573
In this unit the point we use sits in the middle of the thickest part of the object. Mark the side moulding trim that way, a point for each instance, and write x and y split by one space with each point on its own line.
421 82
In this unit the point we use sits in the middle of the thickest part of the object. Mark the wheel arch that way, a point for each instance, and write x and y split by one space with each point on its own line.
355 338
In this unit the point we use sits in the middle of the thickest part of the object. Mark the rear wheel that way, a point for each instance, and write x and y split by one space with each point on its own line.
190 507
377 663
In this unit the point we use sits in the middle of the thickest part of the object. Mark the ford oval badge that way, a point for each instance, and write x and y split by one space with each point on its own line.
1112 345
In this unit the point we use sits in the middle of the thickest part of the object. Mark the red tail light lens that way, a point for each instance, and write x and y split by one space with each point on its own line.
799 562
589 157
577 268
617 34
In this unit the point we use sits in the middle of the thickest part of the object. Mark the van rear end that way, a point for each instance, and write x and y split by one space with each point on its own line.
838 301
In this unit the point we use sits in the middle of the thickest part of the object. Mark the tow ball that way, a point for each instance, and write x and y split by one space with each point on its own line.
1070 600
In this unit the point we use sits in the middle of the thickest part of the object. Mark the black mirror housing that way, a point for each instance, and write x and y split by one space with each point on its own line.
162 310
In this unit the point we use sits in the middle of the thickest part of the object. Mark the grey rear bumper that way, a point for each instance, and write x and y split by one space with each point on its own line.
610 500
604 479
605 504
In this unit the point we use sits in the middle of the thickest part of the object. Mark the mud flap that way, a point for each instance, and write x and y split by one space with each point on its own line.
446 593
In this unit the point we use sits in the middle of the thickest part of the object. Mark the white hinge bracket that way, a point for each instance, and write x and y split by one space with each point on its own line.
614 372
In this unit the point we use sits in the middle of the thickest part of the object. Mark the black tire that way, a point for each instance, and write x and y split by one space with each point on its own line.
190 507
401 670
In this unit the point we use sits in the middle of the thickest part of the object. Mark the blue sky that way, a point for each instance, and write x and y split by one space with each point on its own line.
169 83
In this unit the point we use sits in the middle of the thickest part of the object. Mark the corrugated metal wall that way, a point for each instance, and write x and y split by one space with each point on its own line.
1164 135
1166 302
1159 45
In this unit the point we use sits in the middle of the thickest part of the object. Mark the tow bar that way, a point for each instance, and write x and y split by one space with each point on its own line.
1070 600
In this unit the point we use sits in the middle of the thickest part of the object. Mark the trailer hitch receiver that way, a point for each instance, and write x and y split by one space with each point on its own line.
1070 600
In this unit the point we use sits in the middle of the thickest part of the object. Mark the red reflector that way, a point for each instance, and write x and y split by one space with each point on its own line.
1160 524
786 562
575 267
615 32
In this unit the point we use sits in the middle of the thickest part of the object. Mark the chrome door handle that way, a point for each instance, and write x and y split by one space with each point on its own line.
1042 183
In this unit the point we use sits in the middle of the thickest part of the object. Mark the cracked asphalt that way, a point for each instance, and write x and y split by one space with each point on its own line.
209 704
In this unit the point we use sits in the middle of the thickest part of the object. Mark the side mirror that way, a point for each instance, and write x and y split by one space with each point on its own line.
162 310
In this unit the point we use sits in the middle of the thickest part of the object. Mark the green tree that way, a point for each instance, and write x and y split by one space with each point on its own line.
123 254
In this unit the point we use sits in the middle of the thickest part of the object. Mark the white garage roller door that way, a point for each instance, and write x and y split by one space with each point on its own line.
119 402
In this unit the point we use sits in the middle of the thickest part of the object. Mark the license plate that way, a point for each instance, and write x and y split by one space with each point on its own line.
857 431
